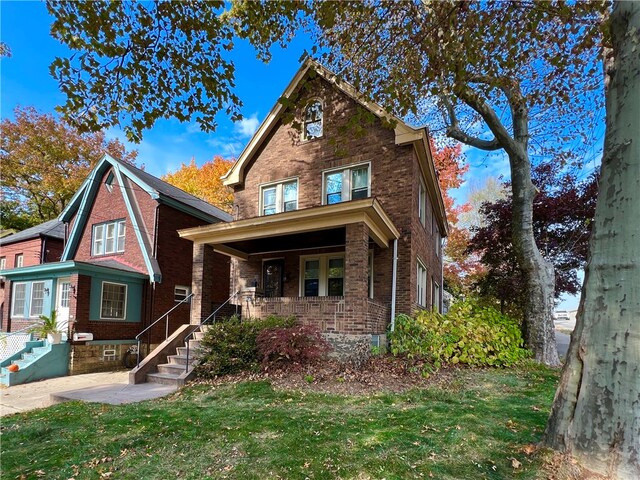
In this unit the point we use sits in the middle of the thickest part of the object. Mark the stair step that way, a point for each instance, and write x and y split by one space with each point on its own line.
181 359
39 350
194 344
163 378
172 369
198 335
182 351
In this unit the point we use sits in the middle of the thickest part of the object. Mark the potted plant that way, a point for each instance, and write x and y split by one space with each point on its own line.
48 328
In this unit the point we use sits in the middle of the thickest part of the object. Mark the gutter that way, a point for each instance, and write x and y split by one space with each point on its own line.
393 284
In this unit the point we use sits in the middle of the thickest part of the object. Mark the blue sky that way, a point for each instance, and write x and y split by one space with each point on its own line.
25 81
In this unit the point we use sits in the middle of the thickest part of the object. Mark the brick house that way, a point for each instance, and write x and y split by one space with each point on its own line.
32 246
122 265
339 225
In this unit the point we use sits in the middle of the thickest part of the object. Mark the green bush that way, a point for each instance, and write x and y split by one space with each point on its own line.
468 334
229 346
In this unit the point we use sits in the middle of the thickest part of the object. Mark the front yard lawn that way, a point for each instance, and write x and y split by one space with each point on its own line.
478 424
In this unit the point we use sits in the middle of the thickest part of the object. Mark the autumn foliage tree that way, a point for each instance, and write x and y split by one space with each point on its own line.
459 267
563 211
205 181
44 161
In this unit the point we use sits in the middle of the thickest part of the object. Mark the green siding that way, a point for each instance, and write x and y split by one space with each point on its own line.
134 298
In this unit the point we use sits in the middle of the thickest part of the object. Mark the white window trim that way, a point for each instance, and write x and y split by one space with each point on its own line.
424 276
31 314
435 301
279 186
15 314
103 238
422 203
346 180
186 288
304 119
19 260
323 274
126 294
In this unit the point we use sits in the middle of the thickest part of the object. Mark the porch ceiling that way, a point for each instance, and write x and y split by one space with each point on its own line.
311 227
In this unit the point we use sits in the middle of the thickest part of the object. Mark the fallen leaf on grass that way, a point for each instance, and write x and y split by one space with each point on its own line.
515 464
529 449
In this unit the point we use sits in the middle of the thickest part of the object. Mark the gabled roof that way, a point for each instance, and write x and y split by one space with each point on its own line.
52 229
160 191
404 134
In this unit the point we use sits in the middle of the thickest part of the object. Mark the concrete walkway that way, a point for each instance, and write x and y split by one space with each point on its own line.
107 387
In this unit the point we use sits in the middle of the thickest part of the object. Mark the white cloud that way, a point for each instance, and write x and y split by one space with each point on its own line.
226 146
247 126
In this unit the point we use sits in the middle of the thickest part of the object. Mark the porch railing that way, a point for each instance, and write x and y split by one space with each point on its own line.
204 322
13 342
166 328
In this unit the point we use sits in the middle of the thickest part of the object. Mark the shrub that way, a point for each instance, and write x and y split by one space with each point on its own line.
291 345
469 334
229 346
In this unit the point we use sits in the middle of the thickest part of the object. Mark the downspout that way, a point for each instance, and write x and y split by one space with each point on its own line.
43 250
393 284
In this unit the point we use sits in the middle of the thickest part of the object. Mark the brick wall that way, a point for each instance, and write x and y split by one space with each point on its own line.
108 206
30 250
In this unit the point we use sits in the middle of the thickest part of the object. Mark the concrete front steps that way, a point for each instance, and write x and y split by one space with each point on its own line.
36 361
167 364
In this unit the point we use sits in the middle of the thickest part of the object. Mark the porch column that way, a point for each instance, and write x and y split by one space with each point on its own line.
202 282
356 259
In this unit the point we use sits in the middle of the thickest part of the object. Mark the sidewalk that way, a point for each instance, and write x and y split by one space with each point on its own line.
105 387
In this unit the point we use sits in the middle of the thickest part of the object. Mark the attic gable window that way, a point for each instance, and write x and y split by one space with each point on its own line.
312 125
109 181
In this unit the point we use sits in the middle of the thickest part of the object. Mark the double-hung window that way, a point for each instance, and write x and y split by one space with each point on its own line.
421 282
37 299
19 299
436 297
108 237
3 263
422 203
346 184
322 275
19 260
279 197
113 301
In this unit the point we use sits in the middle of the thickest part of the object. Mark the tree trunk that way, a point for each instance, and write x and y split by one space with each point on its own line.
596 412
539 276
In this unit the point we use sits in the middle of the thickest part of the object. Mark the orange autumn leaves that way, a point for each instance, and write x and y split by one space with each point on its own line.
205 181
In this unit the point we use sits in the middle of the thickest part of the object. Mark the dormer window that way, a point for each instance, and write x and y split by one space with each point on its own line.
312 127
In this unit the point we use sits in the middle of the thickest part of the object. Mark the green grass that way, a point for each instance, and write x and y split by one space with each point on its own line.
470 429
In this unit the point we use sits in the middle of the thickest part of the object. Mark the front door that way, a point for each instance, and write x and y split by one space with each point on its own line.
63 294
273 273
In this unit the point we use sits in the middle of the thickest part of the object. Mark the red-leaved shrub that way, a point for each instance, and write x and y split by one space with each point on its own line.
291 345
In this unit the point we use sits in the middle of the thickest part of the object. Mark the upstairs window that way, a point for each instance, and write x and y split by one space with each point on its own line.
108 238
3 263
19 260
437 240
348 184
422 203
279 197
312 125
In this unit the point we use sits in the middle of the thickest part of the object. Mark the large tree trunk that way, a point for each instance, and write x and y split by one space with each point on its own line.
596 412
538 273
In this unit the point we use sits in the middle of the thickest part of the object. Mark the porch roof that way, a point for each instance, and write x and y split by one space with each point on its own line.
56 269
321 218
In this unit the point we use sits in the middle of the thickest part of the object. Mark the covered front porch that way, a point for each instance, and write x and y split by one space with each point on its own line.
330 266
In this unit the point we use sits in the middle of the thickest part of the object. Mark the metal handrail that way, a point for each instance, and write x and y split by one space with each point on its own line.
166 314
203 322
